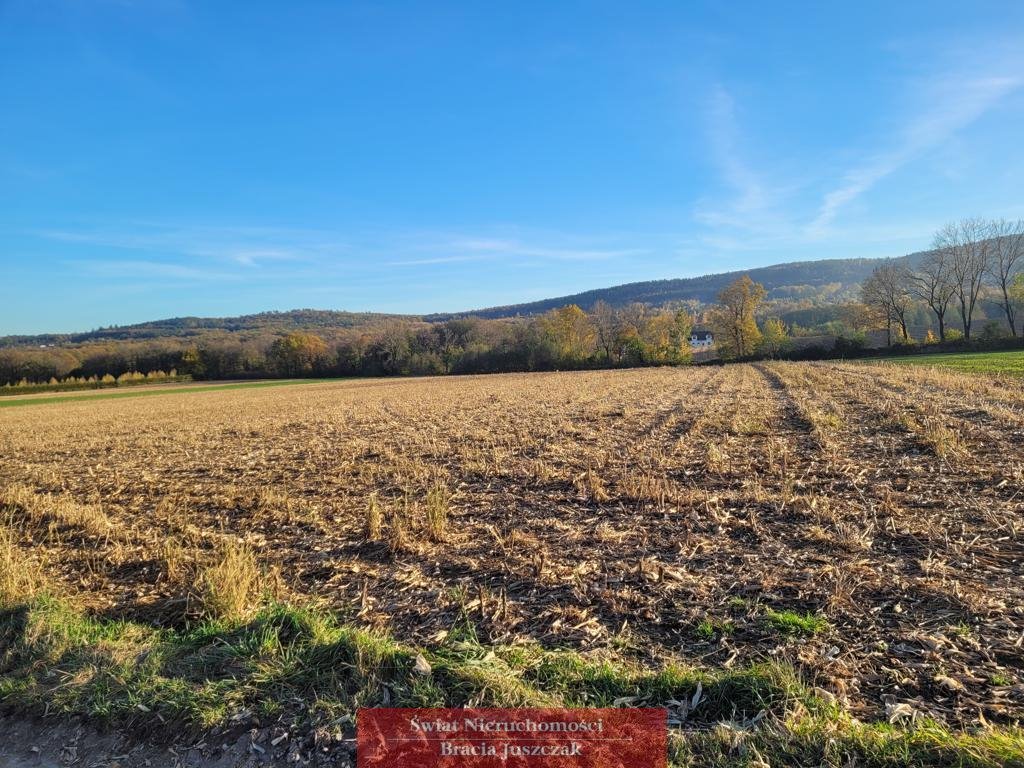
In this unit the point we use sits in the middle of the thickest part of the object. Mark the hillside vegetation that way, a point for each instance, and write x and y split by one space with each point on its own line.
188 327
821 283
806 310
825 281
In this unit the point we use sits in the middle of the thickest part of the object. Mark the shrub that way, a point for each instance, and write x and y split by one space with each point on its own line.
994 330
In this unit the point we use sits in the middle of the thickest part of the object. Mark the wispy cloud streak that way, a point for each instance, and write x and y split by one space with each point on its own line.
956 103
137 268
724 134
240 246
477 249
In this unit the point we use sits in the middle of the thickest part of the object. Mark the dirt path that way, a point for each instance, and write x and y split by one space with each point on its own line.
55 743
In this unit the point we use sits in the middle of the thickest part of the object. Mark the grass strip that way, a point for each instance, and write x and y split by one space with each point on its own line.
88 398
301 663
1007 363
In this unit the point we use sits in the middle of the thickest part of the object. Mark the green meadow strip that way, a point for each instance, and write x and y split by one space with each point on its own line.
88 398
1008 363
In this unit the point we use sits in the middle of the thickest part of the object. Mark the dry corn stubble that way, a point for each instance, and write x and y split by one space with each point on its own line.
648 499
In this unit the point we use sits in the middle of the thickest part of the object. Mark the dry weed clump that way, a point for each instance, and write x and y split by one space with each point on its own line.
274 501
55 510
437 509
854 537
929 431
21 577
231 586
591 486
18 497
399 540
539 470
943 442
715 458
646 486
176 560
374 518
90 518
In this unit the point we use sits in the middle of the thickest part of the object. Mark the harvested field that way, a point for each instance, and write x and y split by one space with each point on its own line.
862 525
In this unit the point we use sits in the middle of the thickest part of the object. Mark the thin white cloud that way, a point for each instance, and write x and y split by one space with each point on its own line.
754 205
779 216
478 249
516 248
138 268
249 257
243 246
252 250
723 133
955 104
433 260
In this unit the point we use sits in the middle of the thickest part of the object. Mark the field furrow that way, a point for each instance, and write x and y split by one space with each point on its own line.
861 523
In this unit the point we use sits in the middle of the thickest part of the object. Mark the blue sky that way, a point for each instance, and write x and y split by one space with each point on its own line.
176 157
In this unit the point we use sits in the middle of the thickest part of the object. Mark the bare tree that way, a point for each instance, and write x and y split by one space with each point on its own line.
633 316
606 321
933 284
1006 255
965 243
887 290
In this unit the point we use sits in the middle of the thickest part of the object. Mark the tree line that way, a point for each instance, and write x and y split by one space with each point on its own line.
973 260
970 258
561 339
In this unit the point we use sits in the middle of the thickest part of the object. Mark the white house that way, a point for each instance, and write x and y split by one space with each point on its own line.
701 337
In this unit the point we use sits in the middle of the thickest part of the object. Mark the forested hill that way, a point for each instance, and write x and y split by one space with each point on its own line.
294 320
829 280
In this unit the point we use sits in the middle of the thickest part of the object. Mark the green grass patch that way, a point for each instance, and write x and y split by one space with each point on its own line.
839 740
88 398
711 627
52 657
300 663
1009 363
792 623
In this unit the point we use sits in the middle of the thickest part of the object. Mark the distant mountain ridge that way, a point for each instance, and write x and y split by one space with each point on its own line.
787 280
826 281
295 319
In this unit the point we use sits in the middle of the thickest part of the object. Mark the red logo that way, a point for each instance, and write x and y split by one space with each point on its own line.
512 738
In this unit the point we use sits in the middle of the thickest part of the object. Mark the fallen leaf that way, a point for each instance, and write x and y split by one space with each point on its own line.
421 665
